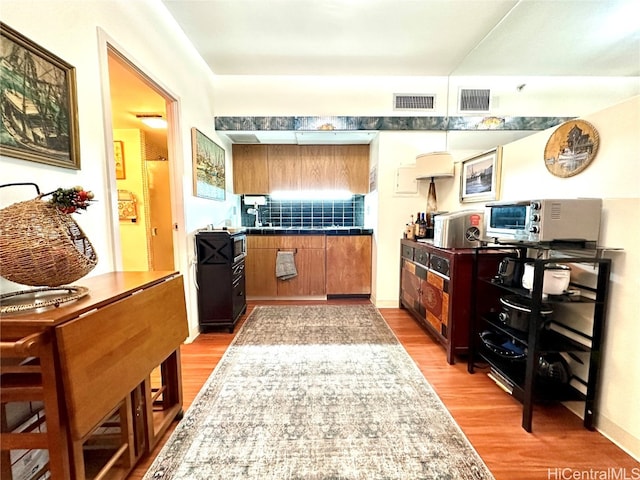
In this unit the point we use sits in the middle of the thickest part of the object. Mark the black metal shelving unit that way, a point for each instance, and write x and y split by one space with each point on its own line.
519 377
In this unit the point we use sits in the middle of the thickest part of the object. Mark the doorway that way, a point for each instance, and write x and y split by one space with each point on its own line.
142 168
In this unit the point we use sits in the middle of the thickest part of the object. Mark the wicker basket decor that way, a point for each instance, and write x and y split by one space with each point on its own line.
42 246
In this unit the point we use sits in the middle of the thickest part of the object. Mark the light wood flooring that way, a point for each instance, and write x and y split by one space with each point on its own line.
559 447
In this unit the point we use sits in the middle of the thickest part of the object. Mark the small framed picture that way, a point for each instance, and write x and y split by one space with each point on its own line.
118 154
480 177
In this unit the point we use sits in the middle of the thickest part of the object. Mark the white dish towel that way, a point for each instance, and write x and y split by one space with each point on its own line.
285 266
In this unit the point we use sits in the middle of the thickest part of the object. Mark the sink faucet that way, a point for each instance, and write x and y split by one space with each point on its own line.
255 211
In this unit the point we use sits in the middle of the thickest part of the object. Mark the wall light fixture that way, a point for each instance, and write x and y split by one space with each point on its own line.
152 120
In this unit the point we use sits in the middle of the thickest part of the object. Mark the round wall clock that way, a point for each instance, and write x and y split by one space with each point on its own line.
571 148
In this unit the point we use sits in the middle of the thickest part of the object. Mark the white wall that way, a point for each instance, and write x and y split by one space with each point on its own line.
614 175
353 95
147 34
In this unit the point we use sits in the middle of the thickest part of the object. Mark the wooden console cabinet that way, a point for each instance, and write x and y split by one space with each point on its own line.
110 359
436 287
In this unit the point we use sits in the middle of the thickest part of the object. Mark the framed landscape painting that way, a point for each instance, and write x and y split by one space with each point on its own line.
38 92
480 177
208 167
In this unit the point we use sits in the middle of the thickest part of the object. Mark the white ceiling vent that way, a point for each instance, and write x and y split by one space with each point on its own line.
474 100
243 138
405 101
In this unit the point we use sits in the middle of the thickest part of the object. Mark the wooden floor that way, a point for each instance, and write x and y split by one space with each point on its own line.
559 447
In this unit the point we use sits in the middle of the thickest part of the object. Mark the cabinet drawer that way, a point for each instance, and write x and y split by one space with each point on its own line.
421 256
285 241
439 264
407 252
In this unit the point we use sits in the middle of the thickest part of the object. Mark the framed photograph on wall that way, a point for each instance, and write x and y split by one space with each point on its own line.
208 167
118 154
38 89
480 177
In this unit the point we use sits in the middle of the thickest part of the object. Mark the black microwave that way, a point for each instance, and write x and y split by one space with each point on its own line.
239 241
542 221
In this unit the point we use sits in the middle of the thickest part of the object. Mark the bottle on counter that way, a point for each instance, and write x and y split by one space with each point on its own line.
423 226
416 227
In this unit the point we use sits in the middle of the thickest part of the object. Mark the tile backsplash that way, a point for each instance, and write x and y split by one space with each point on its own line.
308 213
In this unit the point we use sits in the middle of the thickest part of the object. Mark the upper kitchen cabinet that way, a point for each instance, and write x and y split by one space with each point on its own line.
352 168
284 167
318 167
250 169
263 169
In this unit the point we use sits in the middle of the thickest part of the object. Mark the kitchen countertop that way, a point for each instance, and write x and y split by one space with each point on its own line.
308 231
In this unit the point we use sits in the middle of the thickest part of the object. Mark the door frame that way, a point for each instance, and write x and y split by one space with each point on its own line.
106 46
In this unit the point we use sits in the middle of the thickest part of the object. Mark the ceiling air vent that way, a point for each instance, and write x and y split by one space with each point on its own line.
403 101
243 138
474 100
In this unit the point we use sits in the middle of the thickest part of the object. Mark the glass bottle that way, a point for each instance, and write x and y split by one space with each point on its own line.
423 226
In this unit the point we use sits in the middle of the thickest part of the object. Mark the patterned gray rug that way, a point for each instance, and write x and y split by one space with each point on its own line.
317 392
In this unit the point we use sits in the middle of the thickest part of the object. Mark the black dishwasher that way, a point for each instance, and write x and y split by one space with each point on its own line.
220 278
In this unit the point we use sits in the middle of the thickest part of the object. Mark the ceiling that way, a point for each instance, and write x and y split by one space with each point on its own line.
396 37
414 37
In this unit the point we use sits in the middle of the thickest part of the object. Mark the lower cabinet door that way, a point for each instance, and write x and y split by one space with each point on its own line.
348 264
310 281
260 272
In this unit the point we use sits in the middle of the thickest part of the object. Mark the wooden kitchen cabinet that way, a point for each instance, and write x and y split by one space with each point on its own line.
260 267
310 281
348 264
250 169
318 167
262 169
309 254
352 168
284 167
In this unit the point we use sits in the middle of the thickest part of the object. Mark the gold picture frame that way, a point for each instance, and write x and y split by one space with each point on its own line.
40 113
208 167
480 177
118 155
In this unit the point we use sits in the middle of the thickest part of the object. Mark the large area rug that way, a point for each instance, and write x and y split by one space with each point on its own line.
317 392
